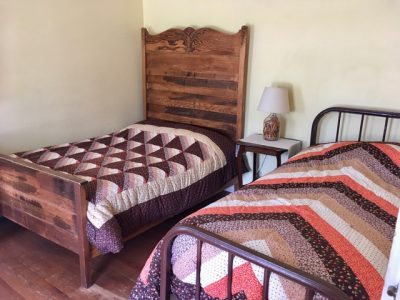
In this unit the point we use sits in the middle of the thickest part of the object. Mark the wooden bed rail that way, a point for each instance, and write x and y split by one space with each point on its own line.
49 203
355 111
270 265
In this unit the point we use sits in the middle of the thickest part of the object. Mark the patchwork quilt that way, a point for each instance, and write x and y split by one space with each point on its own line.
141 174
330 211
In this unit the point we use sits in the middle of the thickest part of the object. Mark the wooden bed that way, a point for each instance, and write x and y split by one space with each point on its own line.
270 265
189 76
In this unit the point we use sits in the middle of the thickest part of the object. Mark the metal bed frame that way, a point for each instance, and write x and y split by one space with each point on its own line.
354 111
312 284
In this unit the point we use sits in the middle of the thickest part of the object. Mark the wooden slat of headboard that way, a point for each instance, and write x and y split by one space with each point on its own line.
195 98
170 99
227 128
223 87
196 77
205 65
190 86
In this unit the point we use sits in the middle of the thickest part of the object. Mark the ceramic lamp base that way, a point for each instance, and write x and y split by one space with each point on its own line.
271 128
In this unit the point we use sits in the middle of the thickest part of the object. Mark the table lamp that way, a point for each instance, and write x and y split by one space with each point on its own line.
273 100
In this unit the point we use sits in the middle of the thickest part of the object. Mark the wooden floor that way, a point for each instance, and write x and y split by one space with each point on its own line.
34 268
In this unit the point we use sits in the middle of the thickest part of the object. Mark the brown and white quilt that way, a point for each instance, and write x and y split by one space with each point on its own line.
141 174
330 211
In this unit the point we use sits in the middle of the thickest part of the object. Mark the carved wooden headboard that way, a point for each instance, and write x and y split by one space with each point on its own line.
196 77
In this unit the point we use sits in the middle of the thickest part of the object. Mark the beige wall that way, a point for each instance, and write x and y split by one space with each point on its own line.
330 52
69 69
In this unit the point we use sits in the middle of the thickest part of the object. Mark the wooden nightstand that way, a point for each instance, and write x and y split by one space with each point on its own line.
255 143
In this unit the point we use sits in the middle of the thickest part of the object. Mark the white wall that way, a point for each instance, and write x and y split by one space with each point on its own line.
69 69
328 52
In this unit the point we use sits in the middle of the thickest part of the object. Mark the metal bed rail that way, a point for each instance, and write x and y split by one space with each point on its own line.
354 111
270 265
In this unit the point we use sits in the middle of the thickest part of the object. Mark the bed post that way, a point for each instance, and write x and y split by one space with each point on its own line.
244 50
84 247
144 76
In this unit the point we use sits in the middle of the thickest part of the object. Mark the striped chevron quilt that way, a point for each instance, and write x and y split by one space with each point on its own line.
330 211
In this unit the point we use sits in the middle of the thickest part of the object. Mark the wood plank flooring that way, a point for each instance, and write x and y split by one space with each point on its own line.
34 268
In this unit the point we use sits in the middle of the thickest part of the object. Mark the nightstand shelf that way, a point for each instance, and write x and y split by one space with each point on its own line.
255 143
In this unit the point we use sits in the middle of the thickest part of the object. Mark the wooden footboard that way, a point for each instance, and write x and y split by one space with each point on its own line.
270 265
49 203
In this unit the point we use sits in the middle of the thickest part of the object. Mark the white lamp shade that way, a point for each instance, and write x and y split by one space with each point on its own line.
274 100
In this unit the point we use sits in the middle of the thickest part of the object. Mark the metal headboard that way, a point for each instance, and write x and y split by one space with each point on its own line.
355 111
